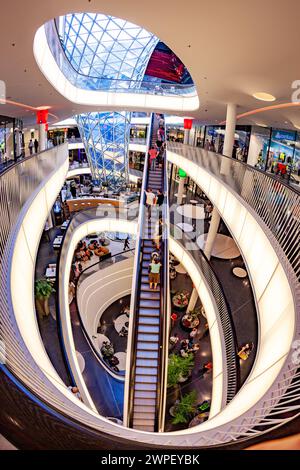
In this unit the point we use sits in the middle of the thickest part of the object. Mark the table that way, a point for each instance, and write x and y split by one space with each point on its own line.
50 272
239 272
180 269
193 201
191 211
121 322
224 247
64 226
57 241
185 227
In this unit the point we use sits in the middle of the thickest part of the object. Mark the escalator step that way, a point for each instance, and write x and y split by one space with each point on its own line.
144 395
144 387
148 337
148 329
149 303
147 363
143 346
142 354
145 379
152 371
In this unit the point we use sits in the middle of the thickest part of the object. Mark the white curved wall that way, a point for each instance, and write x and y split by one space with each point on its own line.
97 292
130 101
274 298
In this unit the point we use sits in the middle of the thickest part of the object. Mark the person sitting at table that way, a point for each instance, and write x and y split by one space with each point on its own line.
184 344
184 353
174 340
101 251
195 347
93 245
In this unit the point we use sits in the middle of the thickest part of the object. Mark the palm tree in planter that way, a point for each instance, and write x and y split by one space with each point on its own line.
184 409
179 368
43 290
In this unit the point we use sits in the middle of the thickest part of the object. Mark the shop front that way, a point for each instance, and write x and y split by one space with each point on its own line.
11 140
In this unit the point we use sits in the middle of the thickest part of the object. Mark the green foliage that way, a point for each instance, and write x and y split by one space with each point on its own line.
179 367
194 314
186 408
43 289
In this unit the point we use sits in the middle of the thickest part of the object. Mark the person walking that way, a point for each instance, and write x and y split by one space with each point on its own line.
36 146
126 244
154 271
30 146
152 157
150 201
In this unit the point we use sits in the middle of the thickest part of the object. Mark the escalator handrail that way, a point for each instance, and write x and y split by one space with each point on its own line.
136 281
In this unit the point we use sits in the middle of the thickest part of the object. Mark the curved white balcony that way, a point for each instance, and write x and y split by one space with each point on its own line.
107 93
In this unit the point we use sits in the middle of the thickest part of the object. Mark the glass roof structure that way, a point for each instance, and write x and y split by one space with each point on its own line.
99 45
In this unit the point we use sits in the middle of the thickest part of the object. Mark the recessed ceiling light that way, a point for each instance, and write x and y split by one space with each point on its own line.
264 96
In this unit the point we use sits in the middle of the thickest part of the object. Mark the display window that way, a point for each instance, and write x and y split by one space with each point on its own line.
281 151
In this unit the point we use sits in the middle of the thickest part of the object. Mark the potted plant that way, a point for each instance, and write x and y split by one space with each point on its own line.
184 409
43 290
179 368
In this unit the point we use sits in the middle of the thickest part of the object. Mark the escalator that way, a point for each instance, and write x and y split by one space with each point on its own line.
150 310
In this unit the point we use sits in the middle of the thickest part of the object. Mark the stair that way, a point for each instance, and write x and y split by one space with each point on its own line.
148 322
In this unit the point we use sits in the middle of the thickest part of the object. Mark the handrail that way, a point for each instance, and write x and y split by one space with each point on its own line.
233 379
76 219
165 303
272 200
132 334
86 334
108 84
63 412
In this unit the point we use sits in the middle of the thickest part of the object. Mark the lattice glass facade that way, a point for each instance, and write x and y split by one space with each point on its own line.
106 140
109 48
104 46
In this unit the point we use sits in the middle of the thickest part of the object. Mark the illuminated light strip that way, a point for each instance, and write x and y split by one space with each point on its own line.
25 106
262 110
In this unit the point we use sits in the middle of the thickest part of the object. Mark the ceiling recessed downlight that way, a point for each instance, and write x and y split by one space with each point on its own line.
264 96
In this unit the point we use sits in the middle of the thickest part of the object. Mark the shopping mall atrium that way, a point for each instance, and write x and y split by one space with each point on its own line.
149 225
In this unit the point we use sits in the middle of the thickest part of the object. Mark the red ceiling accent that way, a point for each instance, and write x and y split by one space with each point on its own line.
42 116
187 123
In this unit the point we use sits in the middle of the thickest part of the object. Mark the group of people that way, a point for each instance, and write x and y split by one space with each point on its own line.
33 144
85 252
190 345
153 200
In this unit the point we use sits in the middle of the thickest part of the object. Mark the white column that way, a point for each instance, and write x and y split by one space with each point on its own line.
212 233
180 190
186 138
193 300
42 137
229 130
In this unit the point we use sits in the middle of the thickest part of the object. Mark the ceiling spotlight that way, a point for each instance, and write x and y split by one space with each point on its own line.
264 96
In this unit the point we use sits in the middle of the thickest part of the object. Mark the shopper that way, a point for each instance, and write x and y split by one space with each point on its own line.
160 198
154 271
150 201
30 146
152 157
36 146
